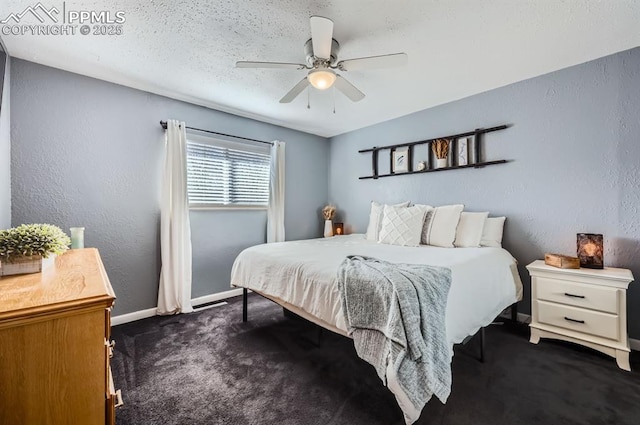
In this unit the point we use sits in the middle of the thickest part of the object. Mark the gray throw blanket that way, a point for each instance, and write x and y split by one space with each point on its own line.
396 314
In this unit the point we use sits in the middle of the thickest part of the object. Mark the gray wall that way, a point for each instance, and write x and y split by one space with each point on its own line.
88 153
574 147
5 151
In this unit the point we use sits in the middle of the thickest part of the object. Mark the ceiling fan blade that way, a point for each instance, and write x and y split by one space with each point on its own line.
321 36
295 91
348 89
249 64
383 61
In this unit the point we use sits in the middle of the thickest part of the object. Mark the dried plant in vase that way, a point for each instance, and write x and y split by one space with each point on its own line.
440 148
328 212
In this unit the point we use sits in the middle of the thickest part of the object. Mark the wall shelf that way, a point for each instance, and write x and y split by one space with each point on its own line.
430 170
474 161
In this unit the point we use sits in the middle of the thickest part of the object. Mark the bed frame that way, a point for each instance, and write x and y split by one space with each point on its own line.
245 315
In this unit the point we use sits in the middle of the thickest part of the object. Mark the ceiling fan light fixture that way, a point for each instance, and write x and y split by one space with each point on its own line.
322 79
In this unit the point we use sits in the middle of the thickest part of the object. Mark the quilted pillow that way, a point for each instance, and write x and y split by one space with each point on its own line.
440 225
401 226
375 219
469 231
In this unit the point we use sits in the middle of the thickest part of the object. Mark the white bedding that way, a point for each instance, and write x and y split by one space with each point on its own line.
484 281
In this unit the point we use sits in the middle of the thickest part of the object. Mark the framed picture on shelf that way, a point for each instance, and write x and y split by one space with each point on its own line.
400 160
463 151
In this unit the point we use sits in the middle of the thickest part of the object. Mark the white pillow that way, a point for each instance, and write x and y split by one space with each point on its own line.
401 225
440 225
375 219
469 232
492 232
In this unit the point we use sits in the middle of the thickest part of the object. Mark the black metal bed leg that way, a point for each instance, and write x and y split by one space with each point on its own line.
481 345
514 312
244 304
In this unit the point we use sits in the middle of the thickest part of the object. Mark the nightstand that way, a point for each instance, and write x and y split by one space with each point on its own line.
584 306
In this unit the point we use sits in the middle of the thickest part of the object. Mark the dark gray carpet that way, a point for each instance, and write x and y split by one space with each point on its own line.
210 368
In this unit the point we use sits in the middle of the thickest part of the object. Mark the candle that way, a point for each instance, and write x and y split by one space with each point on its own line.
77 237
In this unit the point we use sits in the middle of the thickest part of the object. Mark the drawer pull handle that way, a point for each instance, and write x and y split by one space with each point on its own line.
119 401
573 296
573 320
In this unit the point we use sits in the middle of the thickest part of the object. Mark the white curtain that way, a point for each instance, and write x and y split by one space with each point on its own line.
174 295
275 212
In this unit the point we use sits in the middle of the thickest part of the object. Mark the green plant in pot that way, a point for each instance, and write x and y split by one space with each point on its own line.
30 248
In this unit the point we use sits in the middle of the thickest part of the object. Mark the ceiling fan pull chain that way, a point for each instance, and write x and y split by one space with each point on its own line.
334 99
308 98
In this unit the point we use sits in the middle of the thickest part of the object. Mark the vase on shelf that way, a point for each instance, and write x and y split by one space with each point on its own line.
328 228
441 162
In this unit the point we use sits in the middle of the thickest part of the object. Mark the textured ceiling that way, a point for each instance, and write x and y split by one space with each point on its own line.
187 50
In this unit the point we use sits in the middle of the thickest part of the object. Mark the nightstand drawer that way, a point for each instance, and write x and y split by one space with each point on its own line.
578 319
578 294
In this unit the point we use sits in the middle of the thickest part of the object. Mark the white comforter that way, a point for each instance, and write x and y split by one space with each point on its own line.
484 281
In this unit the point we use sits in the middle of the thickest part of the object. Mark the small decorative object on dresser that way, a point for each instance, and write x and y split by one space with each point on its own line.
328 212
338 229
587 307
77 237
30 248
590 250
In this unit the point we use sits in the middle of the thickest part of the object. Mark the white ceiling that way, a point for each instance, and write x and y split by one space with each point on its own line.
187 50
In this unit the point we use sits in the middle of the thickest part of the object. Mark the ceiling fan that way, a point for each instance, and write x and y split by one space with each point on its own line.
322 61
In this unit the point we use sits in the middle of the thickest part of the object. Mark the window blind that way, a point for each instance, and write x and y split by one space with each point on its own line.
219 175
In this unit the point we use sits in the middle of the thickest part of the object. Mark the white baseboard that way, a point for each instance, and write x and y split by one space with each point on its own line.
150 312
132 317
216 297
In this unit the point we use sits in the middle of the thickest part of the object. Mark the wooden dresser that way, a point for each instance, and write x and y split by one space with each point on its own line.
55 344
583 306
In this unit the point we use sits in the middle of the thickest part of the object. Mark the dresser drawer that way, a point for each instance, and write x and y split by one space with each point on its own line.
578 319
577 294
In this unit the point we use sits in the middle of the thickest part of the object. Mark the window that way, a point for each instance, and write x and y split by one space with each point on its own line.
221 173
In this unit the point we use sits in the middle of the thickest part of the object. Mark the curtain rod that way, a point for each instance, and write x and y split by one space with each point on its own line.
163 124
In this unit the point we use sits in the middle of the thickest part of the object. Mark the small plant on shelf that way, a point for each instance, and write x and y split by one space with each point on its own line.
30 243
440 148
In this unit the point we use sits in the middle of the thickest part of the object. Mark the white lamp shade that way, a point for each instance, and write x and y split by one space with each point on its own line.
322 79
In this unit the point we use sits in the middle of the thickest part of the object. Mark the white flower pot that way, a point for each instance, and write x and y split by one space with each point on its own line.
441 162
24 265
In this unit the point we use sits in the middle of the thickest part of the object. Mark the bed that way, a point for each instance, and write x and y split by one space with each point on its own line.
302 277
